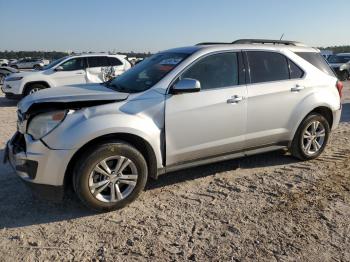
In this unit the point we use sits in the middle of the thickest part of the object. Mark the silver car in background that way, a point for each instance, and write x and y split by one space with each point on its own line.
177 109
30 63
340 63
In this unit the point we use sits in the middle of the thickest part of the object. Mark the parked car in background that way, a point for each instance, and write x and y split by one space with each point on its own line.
77 69
30 63
179 108
340 63
5 71
4 62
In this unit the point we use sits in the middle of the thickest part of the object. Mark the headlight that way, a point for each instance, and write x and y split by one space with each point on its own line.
44 123
13 78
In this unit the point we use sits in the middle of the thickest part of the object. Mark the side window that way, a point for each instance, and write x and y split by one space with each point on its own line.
267 66
98 61
214 71
295 71
317 60
73 64
113 61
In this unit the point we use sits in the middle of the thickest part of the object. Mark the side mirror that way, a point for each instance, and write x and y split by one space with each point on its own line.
186 85
59 68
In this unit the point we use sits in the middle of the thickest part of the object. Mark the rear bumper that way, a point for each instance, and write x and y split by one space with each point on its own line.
336 118
41 168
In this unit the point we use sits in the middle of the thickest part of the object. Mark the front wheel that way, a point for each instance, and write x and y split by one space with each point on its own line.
110 176
33 88
344 75
311 137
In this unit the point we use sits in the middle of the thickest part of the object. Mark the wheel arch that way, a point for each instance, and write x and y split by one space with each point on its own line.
323 110
27 85
138 142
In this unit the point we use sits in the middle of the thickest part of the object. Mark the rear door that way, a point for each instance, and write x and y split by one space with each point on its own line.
275 89
73 72
210 122
98 69
118 65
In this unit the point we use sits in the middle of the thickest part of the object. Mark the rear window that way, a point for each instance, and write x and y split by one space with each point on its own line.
317 60
113 61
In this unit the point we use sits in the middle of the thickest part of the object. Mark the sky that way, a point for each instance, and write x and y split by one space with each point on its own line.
155 25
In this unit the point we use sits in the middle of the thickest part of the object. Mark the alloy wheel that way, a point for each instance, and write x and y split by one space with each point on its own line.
34 90
113 179
313 138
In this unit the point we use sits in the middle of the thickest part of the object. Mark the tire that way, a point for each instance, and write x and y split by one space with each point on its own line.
14 66
344 75
36 67
2 78
33 88
98 197
301 140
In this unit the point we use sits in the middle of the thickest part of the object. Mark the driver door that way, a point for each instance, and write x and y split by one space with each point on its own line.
211 122
71 72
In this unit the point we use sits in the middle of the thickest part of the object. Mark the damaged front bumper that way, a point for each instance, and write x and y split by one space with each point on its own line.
37 165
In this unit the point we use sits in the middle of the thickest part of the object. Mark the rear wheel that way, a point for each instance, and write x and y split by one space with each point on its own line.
33 88
311 137
37 67
110 176
2 78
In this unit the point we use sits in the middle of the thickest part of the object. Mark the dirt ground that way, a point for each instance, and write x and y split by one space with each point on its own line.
266 207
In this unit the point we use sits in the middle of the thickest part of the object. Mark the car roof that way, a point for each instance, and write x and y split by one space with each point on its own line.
222 46
97 54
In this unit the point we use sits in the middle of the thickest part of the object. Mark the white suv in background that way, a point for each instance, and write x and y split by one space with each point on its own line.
70 70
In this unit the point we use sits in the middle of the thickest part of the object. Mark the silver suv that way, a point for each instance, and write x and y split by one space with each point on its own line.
180 108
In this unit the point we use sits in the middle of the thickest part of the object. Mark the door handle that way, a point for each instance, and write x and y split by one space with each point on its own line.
297 88
235 99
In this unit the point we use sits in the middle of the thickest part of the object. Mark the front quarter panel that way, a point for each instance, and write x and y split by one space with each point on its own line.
140 117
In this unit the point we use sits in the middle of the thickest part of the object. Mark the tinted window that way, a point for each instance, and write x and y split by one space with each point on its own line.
341 59
317 60
98 61
73 64
113 61
295 71
219 70
267 66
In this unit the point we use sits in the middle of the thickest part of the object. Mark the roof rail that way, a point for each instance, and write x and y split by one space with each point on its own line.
214 43
267 41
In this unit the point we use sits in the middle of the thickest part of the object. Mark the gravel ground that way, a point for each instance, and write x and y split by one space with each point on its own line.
265 207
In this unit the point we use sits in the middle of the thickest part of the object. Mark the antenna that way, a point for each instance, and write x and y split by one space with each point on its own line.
282 36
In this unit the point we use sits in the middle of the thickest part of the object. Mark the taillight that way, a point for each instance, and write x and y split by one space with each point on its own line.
339 87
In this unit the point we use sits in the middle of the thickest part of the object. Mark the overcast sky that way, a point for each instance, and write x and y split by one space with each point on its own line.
154 25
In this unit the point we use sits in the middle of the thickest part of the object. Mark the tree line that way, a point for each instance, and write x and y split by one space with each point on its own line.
52 55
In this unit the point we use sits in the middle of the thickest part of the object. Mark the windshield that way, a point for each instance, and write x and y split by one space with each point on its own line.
147 73
338 59
53 63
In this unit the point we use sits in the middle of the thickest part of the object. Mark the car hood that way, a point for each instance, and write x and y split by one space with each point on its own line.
73 96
